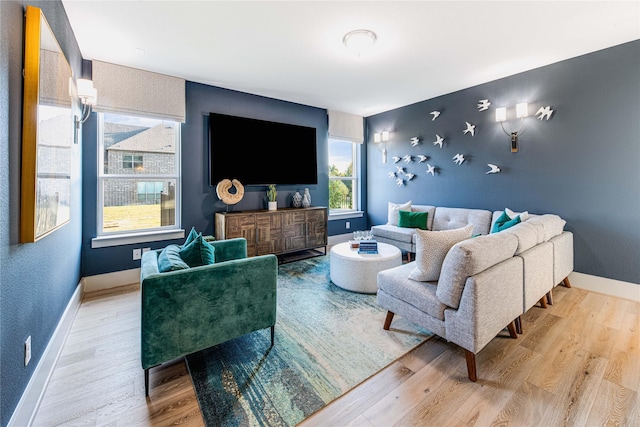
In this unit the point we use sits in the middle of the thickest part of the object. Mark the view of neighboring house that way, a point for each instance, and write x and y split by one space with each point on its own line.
148 151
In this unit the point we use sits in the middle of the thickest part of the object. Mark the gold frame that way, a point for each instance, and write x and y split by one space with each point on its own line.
46 156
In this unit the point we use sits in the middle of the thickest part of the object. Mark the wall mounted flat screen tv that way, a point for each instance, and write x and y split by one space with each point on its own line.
259 152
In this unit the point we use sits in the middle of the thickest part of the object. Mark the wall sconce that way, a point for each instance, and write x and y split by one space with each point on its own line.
522 111
88 97
384 138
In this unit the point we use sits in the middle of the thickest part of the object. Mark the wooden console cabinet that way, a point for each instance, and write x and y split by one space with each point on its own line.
275 232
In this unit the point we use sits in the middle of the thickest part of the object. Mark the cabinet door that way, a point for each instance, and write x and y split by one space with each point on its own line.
294 230
242 226
316 228
269 233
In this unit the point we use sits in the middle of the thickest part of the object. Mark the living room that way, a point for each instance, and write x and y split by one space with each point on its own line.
581 164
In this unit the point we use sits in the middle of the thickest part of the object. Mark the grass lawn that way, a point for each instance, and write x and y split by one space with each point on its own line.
123 218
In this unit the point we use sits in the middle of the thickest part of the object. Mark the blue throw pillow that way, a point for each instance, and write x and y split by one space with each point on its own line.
504 222
169 259
190 237
198 252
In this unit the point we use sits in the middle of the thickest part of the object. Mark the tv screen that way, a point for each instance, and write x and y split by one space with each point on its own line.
259 152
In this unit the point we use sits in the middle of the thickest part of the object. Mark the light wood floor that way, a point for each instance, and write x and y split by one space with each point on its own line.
576 364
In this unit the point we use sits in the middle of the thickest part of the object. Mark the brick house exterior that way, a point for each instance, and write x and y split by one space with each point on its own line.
149 151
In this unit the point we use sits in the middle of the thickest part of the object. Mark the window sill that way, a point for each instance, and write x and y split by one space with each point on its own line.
345 215
133 238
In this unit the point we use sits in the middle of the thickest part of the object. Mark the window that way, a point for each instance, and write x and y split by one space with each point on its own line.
150 191
344 170
139 175
131 161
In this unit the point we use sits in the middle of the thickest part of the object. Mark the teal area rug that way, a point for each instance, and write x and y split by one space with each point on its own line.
327 341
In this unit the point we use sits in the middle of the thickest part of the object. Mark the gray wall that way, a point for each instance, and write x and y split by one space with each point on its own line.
582 164
37 279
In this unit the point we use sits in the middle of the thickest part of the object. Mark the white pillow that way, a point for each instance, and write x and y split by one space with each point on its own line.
431 249
523 215
393 215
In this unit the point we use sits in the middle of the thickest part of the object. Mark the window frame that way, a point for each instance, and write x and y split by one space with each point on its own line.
356 180
114 238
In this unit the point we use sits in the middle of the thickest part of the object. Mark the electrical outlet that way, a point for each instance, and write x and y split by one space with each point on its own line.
27 350
145 250
347 225
137 254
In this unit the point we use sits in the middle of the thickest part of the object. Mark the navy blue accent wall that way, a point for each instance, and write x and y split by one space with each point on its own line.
37 279
199 200
582 164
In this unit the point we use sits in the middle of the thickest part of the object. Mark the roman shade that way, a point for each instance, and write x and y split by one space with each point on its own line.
137 92
54 79
346 127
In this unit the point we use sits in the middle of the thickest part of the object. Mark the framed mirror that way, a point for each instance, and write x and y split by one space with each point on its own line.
47 132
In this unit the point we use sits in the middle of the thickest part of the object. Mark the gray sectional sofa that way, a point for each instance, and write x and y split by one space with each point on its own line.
486 283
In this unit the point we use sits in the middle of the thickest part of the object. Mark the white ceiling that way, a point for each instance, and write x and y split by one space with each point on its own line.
292 50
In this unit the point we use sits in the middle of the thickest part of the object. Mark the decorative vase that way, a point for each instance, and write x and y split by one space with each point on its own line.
297 200
306 199
273 206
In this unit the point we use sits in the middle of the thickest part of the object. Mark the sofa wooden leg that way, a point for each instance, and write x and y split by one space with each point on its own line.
471 365
566 282
387 321
543 302
273 333
408 256
550 297
146 382
518 323
512 329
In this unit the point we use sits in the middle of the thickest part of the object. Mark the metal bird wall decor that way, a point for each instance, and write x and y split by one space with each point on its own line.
470 129
494 168
439 140
483 105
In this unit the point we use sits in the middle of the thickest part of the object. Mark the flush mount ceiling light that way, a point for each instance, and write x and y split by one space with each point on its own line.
359 41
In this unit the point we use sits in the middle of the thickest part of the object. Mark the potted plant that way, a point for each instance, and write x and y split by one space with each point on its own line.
271 197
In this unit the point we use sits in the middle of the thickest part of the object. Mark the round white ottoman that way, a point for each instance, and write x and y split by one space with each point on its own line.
358 272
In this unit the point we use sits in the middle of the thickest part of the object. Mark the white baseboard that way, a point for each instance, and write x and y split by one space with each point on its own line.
602 285
100 282
32 395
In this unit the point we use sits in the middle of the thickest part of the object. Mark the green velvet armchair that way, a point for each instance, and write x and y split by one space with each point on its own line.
185 311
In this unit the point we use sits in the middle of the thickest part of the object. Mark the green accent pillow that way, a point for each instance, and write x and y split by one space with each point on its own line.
198 252
169 259
504 222
412 219
190 237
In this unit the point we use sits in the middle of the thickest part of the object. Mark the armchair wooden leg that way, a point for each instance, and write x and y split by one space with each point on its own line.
518 323
387 321
408 256
512 329
566 282
543 302
471 365
146 382
273 332
550 297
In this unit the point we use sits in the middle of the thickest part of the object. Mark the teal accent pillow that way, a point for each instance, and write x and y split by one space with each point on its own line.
409 219
190 237
504 222
169 259
198 252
